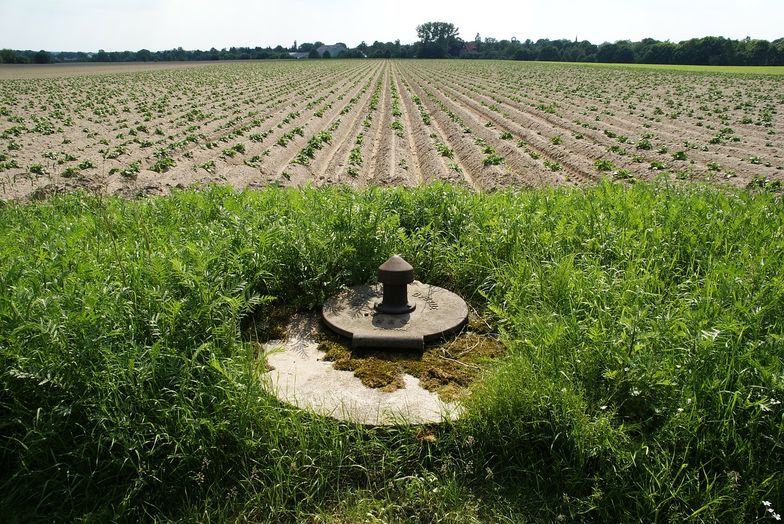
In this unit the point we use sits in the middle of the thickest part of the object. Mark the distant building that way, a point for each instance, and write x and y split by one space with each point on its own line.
469 48
334 50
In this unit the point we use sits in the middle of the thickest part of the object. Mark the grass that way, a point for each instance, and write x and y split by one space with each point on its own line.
642 378
756 70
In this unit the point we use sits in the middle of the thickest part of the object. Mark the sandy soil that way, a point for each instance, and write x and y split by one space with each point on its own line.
139 129
23 71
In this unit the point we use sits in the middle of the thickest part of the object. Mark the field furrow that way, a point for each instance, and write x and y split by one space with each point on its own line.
495 138
451 137
379 164
430 163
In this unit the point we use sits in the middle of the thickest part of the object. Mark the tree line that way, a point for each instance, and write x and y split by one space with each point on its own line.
442 40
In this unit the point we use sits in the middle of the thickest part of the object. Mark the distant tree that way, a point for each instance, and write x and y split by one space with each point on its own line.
624 52
549 54
650 51
437 32
326 54
314 53
9 56
760 52
438 39
524 54
430 50
179 54
607 52
318 44
42 57
306 47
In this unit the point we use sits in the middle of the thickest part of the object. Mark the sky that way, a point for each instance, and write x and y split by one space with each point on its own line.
120 25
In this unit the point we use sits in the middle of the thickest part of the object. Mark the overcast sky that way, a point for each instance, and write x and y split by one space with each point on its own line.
118 25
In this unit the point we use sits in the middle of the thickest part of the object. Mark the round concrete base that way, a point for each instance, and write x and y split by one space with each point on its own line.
437 313
301 378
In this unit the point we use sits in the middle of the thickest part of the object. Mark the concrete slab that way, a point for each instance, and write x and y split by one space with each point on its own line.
302 378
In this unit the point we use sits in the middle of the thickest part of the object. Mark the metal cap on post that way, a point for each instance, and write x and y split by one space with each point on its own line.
395 274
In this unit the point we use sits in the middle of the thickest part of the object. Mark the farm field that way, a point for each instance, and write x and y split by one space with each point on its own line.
617 231
483 124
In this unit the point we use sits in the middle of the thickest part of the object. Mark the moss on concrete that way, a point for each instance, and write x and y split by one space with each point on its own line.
447 369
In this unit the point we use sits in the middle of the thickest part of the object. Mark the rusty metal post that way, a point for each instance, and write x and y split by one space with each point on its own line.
395 274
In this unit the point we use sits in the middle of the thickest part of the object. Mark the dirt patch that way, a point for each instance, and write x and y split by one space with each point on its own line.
447 369
22 71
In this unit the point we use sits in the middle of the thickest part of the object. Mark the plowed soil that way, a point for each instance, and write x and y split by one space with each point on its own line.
143 130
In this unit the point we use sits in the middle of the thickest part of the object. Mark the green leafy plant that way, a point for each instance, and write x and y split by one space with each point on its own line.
208 166
644 144
680 155
444 150
163 164
603 165
37 169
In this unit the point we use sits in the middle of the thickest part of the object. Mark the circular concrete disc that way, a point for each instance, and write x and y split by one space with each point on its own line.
438 313
302 378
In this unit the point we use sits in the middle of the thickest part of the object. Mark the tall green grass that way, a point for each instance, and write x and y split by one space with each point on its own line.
643 379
